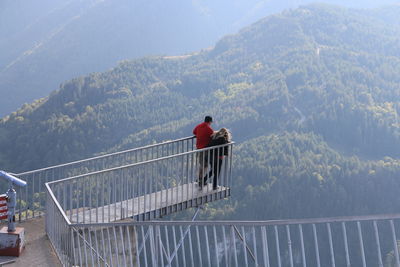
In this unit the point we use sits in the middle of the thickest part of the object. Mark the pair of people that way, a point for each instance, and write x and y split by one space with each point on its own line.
206 137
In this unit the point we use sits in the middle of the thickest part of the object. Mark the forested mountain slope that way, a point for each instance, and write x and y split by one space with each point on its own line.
44 42
311 95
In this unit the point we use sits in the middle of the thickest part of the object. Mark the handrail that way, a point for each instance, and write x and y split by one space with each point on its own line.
379 217
31 204
140 163
346 241
143 163
106 155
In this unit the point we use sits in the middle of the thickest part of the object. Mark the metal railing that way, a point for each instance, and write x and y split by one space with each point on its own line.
358 241
142 191
31 200
85 223
352 241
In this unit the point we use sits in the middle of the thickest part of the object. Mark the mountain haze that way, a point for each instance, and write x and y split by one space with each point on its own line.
311 96
48 42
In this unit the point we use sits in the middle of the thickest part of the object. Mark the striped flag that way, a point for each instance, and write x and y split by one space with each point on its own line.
3 207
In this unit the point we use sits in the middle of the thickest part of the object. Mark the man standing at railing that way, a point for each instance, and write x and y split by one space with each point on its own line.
203 133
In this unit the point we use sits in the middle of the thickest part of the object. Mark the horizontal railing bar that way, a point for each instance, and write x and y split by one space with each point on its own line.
106 155
139 163
248 223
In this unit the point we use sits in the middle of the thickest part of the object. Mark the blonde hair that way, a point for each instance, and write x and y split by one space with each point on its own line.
223 132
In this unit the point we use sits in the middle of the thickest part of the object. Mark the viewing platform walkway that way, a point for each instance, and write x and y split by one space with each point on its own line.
151 206
149 183
142 191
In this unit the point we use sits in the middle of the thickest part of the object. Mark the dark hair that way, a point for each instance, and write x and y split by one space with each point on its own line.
208 119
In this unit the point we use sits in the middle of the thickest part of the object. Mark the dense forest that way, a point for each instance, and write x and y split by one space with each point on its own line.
311 96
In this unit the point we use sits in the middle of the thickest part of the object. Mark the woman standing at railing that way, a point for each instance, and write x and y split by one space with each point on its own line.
218 138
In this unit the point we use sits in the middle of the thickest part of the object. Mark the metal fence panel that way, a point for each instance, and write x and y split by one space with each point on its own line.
31 199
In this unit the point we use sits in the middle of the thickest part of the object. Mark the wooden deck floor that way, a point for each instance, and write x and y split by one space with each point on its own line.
151 206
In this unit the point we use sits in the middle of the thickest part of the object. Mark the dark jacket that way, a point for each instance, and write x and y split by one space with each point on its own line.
222 151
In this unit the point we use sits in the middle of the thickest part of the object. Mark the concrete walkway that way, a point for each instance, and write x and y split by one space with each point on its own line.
38 251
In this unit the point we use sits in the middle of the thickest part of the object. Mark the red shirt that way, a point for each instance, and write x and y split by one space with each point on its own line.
203 133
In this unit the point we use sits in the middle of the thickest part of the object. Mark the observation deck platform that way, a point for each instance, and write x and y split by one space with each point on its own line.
151 206
101 215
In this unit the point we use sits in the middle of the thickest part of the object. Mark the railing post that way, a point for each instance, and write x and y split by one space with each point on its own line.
316 245
395 244
361 244
378 244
